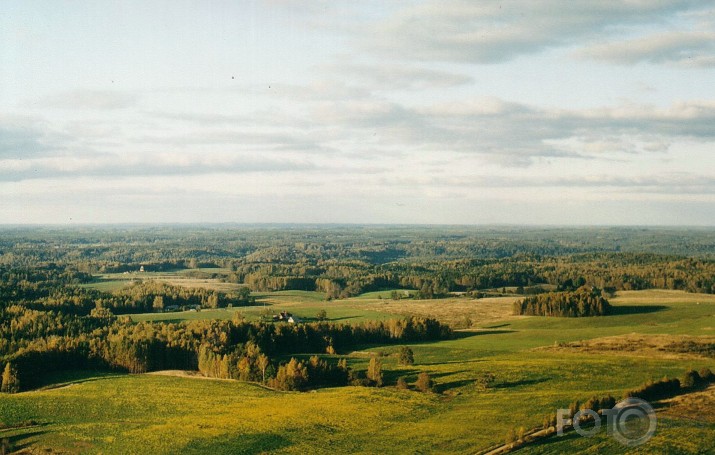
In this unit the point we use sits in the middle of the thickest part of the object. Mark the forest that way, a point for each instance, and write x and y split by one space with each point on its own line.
584 301
50 320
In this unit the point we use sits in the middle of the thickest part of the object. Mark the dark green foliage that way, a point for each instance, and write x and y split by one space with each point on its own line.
692 379
10 381
48 321
226 349
582 302
351 260
406 356
291 376
651 391
607 402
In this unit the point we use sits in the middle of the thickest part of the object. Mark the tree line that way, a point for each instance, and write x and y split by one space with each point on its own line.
230 349
585 301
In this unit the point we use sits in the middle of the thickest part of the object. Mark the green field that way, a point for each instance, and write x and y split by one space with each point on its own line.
303 304
164 414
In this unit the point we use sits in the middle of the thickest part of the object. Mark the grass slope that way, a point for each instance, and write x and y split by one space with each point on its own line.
162 414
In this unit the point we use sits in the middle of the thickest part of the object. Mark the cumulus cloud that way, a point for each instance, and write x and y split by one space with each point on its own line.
25 137
514 134
382 77
490 32
374 102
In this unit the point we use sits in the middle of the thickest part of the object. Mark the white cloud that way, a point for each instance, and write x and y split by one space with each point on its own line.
491 32
458 110
688 49
396 77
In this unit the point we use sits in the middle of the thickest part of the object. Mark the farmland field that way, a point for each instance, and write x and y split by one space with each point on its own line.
165 414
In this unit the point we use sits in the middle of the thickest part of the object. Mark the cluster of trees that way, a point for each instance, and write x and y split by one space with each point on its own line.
53 288
670 387
585 301
217 348
48 321
594 403
650 391
146 296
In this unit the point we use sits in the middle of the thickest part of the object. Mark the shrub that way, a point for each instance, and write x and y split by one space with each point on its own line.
406 356
424 382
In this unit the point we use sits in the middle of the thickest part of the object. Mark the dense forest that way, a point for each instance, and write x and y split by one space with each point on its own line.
37 343
347 261
585 301
50 320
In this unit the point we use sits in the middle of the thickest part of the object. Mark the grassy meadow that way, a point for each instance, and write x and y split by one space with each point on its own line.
537 364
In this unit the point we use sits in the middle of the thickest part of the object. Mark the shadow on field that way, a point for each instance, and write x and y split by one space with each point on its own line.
479 332
498 326
448 362
619 310
390 376
237 444
565 439
20 442
71 377
444 386
521 382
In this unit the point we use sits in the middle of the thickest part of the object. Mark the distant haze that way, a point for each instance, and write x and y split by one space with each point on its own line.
445 112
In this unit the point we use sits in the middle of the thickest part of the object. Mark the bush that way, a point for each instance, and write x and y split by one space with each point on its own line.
406 356
374 372
651 391
691 379
424 382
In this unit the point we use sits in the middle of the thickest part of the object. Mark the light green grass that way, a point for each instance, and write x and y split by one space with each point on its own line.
304 304
153 414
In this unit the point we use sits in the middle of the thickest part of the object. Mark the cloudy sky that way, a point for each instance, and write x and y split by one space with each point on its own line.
448 112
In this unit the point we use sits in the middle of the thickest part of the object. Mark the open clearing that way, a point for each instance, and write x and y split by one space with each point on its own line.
130 413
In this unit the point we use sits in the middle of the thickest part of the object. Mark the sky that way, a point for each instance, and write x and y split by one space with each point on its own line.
538 112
